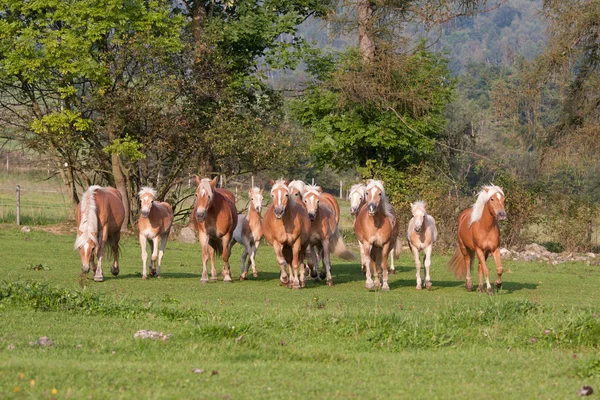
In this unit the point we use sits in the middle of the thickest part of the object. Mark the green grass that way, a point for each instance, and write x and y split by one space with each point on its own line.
538 337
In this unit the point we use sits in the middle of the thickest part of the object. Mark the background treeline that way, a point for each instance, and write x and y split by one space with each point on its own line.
435 98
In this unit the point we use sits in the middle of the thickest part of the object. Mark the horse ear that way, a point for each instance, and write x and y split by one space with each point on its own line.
287 182
319 189
486 189
197 180
272 182
213 183
261 191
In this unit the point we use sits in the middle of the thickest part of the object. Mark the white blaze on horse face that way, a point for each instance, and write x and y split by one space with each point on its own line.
312 202
498 195
418 214
146 203
355 199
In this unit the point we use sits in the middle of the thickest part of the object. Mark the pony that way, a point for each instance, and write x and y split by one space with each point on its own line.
376 228
297 189
421 235
99 217
479 234
154 226
215 218
356 196
248 232
286 227
325 235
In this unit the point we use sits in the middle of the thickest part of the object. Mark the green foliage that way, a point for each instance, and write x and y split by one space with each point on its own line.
128 147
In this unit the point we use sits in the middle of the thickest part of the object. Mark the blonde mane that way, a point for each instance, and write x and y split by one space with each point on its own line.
280 183
205 184
147 190
482 198
418 205
89 218
299 185
388 210
314 189
359 187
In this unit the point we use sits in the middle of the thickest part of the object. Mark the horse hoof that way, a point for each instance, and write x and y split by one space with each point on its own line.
242 278
255 274
99 278
296 287
322 276
498 285
204 280
144 278
428 285
158 276
214 278
419 287
393 271
152 272
329 283
490 291
480 289
227 279
114 271
469 287
369 285
385 288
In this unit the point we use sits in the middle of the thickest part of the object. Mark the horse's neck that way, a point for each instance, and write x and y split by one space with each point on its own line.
487 220
253 217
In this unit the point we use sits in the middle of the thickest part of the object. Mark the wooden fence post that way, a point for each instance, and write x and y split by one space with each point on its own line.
252 181
18 205
341 190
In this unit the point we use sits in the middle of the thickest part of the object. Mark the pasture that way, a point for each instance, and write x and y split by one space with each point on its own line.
538 337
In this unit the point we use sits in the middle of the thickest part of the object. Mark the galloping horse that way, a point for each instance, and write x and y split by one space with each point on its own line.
297 189
99 217
154 226
479 233
376 228
422 234
249 231
357 200
324 233
215 219
287 228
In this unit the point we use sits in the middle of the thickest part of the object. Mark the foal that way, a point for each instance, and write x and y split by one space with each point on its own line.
422 234
248 232
154 226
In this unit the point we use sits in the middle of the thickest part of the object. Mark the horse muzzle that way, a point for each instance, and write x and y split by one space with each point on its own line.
502 215
371 208
353 210
417 229
258 209
85 268
200 216
312 216
279 212
145 213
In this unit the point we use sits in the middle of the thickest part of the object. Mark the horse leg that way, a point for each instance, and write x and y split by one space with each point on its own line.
321 253
483 270
154 257
102 238
226 269
114 243
376 255
144 256
283 276
384 265
392 269
252 261
362 258
415 252
203 239
468 256
499 269
213 270
243 258
427 263
327 262
366 261
164 238
92 263
297 281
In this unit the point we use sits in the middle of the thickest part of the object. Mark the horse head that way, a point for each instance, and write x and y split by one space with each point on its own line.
280 194
86 243
256 197
356 197
311 198
495 204
374 195
205 194
297 189
146 196
419 211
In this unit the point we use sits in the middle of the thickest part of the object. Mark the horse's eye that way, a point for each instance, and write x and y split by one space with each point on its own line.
380 194
492 199
305 201
287 195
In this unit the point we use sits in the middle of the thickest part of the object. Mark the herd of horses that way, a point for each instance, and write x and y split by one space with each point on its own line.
302 226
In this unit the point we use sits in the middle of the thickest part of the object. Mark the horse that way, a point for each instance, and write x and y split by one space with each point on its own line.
99 217
215 218
286 227
154 226
248 232
325 235
357 200
297 189
376 228
421 235
479 234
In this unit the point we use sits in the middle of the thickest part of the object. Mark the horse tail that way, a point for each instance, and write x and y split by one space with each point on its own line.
458 265
397 246
336 243
217 245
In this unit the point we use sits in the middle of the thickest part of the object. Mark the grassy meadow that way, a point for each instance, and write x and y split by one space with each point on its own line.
539 337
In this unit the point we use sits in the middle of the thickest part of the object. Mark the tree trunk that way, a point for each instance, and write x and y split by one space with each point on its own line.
365 31
198 17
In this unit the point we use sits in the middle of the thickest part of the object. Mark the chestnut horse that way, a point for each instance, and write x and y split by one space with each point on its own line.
479 234
421 235
325 235
99 217
297 189
248 232
287 228
215 219
357 200
154 226
376 228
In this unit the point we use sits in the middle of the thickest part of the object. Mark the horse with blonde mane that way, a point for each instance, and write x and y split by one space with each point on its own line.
297 189
154 226
286 227
421 235
479 234
325 236
215 219
376 228
248 232
356 196
99 217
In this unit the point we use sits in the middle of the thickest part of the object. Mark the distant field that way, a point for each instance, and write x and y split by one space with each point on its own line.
539 337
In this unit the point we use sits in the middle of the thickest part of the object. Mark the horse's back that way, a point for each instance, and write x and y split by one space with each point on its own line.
331 202
227 194
110 208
